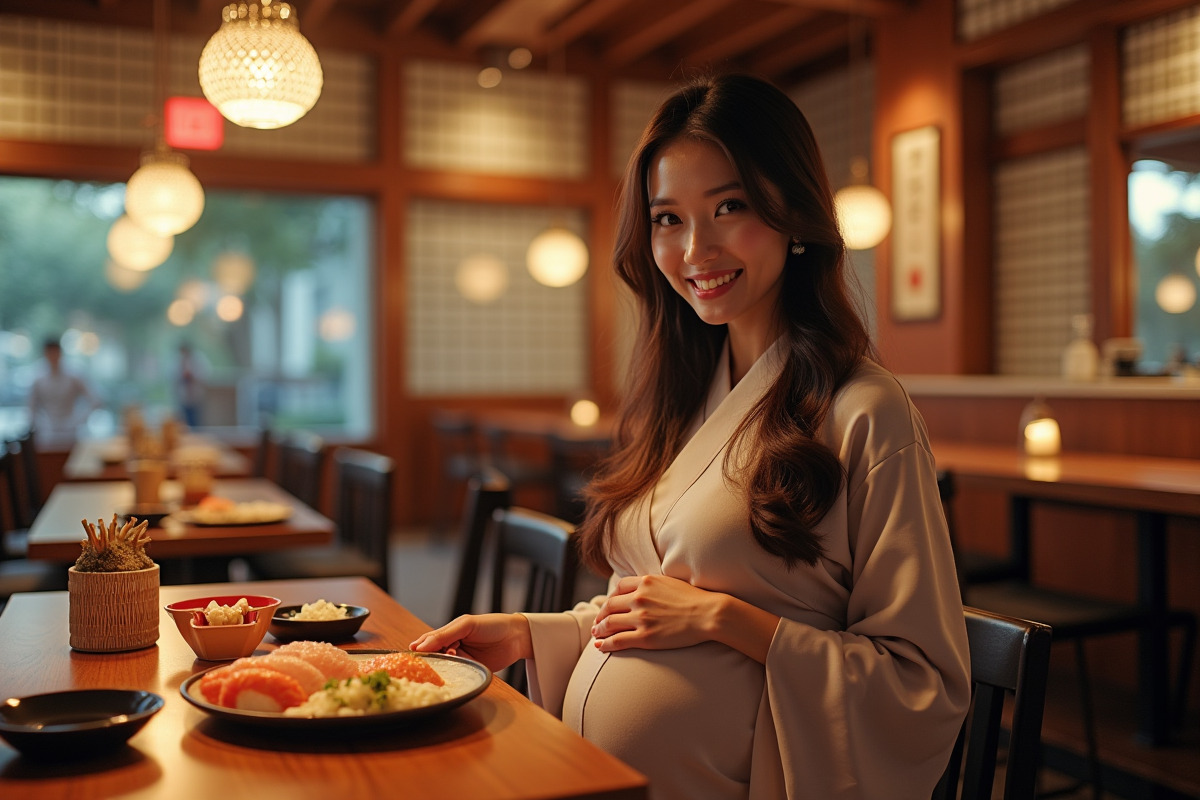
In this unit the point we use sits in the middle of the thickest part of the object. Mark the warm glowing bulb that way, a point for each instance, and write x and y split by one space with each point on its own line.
1042 438
163 196
489 77
180 312
481 278
233 272
864 215
122 278
136 248
557 257
337 325
1175 293
258 69
230 307
585 413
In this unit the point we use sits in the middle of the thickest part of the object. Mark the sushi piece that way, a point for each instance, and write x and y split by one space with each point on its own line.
333 662
255 689
210 684
402 665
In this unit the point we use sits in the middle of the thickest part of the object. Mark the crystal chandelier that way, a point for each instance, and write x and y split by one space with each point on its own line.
163 196
258 69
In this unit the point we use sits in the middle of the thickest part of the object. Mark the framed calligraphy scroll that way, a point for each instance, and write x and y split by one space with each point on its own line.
916 225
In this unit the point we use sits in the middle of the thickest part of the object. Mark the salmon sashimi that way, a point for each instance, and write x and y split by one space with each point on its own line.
210 684
333 662
253 689
402 665
309 677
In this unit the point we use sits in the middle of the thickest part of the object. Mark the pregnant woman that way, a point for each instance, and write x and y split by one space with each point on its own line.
782 617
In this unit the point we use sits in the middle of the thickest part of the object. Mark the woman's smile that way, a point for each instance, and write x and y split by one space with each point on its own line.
713 284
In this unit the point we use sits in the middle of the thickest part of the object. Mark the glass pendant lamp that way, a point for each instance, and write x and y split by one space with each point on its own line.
258 69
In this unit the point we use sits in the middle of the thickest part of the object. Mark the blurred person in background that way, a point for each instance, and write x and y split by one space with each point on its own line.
59 402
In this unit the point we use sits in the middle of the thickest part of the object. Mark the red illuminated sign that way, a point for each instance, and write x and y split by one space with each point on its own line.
193 123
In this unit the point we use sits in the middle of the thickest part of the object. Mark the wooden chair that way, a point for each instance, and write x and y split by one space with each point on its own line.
19 574
572 461
1009 657
545 545
458 457
300 464
486 491
364 521
1074 618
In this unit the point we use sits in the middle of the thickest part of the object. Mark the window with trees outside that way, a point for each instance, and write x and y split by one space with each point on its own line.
270 292
1164 215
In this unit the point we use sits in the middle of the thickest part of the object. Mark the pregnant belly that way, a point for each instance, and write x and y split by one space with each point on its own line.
690 712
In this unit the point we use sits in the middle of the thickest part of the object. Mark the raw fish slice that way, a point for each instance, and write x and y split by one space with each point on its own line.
309 677
253 689
210 684
403 665
332 661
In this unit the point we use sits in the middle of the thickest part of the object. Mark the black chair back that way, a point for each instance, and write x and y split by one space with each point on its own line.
364 503
300 463
1009 656
546 546
486 492
25 450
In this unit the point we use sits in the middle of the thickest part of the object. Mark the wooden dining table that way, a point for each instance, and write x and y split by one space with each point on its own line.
57 530
1153 489
107 459
497 746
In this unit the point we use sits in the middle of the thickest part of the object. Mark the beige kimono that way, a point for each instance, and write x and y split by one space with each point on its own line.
867 677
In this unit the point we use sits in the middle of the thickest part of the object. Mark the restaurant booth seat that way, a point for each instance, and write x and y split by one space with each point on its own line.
363 513
1073 618
1010 657
545 547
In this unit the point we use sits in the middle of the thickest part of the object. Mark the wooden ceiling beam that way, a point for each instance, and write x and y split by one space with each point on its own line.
407 18
864 8
315 11
724 43
661 31
577 24
828 34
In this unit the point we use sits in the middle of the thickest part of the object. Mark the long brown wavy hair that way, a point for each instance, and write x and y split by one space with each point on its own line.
794 479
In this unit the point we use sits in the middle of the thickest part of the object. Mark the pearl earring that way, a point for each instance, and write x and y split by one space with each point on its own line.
797 248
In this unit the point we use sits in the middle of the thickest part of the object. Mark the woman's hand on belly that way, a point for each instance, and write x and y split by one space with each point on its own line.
494 640
655 612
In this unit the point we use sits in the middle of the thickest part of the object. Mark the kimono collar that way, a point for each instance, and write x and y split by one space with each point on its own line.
723 411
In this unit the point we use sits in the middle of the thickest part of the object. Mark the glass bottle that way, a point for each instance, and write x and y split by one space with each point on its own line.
1081 359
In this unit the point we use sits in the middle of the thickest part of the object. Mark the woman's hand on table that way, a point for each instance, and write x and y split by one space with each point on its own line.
656 612
494 640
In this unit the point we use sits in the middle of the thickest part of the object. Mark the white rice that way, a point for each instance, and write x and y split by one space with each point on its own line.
352 697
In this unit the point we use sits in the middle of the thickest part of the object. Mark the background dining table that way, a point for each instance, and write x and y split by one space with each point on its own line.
57 530
1150 488
498 746
106 459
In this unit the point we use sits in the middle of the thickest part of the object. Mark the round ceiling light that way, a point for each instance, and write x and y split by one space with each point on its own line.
258 69
557 257
163 196
136 248
863 214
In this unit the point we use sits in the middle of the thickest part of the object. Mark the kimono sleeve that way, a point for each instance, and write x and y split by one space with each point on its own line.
558 641
872 711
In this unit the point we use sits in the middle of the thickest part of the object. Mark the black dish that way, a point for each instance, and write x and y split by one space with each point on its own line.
472 678
152 514
286 629
75 724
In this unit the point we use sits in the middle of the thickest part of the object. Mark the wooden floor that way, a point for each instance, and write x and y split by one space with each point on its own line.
423 573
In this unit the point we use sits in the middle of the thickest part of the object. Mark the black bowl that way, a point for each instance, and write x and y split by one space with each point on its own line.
75 724
286 629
